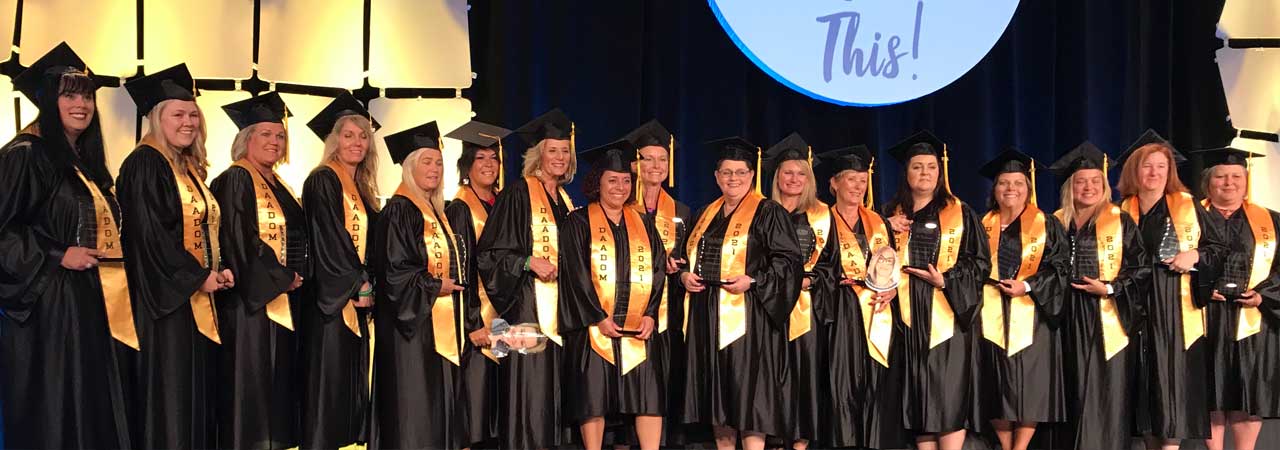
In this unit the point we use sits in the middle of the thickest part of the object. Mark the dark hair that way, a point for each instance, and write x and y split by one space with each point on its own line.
88 153
591 186
902 198
993 205
466 159
750 164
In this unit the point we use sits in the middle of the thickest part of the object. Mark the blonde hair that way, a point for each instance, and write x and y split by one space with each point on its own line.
240 145
194 155
435 197
367 171
808 194
533 162
1068 204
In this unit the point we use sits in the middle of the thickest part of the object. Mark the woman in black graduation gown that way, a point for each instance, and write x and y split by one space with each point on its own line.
943 239
521 280
341 211
419 341
654 164
480 167
1243 335
794 187
863 381
171 236
1021 311
737 307
1178 237
1102 307
64 376
264 244
613 269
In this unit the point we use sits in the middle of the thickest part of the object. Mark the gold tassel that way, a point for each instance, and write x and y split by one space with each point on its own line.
1104 168
1033 182
1248 175
573 146
758 170
502 170
810 157
946 169
871 171
639 187
671 162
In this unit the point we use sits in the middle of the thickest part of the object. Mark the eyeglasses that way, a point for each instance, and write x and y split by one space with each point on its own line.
740 173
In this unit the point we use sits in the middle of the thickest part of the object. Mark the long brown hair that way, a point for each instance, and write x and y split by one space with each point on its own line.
1129 183
367 171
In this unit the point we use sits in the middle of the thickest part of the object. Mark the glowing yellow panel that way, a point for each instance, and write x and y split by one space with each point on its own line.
217 45
1265 174
8 128
305 149
416 43
1250 18
319 43
221 130
103 33
8 17
400 114
1252 87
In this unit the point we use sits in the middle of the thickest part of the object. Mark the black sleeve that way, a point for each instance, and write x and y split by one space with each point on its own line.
337 272
963 281
504 246
27 258
406 286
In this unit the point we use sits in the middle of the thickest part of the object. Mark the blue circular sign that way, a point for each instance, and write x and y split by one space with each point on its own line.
865 52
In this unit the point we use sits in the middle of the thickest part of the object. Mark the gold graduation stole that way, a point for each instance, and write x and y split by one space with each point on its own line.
819 217
111 274
446 319
733 262
1182 212
878 328
1264 253
1108 233
199 208
271 230
667 232
604 269
546 245
942 326
356 221
478 217
1022 310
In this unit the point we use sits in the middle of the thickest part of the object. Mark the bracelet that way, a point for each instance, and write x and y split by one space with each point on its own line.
526 263
368 293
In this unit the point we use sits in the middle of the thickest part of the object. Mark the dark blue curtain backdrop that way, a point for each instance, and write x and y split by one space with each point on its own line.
1063 71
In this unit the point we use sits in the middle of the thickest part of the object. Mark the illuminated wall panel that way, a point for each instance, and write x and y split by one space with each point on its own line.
217 45
105 34
400 114
319 43
419 43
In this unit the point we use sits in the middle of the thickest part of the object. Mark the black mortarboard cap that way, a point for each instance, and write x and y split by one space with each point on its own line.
1084 156
1150 137
342 105
401 144
1009 161
57 62
1226 155
174 83
553 124
736 149
921 143
267 107
651 133
476 134
792 147
615 156
830 163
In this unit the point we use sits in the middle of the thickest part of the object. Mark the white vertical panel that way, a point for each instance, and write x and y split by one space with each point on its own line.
399 114
1250 18
104 33
220 128
309 42
118 116
305 149
1265 172
214 38
1249 78
8 126
419 43
8 18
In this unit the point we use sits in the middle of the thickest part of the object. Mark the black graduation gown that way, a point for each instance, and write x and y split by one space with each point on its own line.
258 359
1028 387
1245 373
1100 392
807 354
416 389
745 386
62 376
1175 397
335 397
480 391
177 381
939 383
600 388
669 353
862 399
529 397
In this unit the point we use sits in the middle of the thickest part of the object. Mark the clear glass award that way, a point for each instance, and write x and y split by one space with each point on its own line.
1235 276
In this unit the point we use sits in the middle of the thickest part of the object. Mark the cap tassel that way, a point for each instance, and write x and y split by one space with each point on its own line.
809 158
1033 183
871 198
946 171
1248 175
502 170
284 122
573 146
671 162
638 186
758 170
